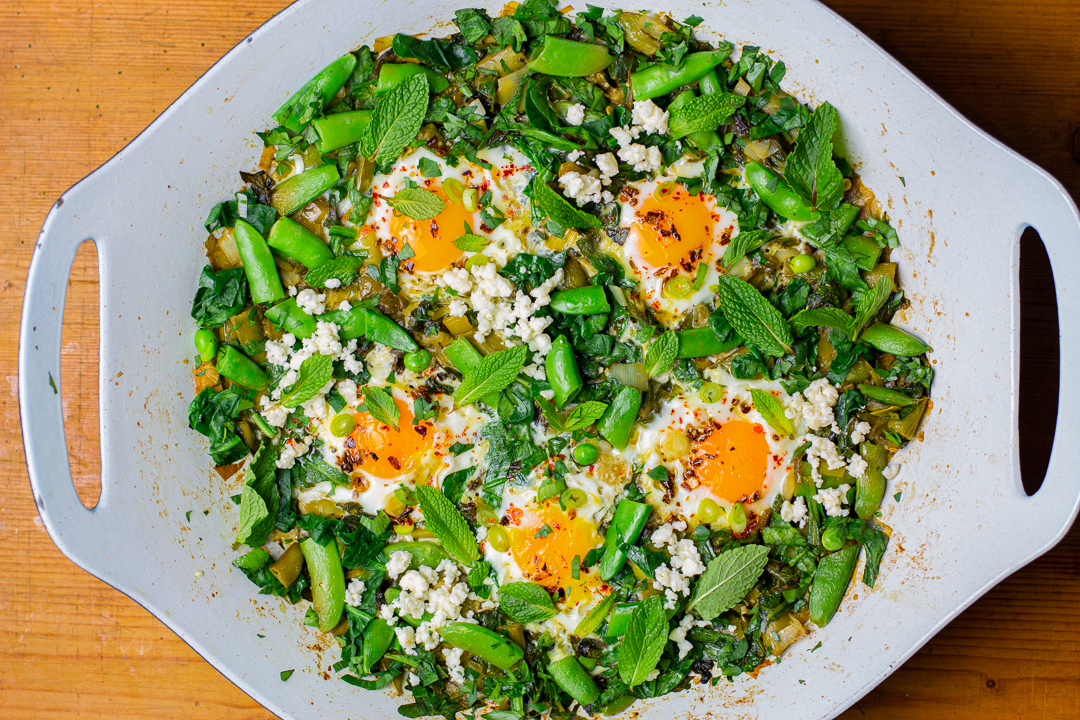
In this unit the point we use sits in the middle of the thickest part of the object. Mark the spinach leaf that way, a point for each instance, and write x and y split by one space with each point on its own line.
511 457
438 53
530 271
220 295
214 415
472 24
225 214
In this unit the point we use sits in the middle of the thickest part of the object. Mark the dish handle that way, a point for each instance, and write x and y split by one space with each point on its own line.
1050 210
69 523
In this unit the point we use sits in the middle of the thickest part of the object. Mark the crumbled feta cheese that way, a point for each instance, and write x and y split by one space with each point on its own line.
580 188
686 558
832 500
891 471
354 594
326 338
414 582
292 290
453 664
859 432
794 511
317 408
547 394
345 306
644 159
822 449
624 136
575 114
277 353
673 583
310 302
653 674
607 164
457 280
650 117
288 453
406 636
347 389
857 466
275 415
332 283
537 371
574 155
458 308
678 635
380 362
414 679
427 636
398 563
815 405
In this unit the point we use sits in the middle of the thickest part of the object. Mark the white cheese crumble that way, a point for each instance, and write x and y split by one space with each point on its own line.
678 635
574 155
289 451
815 405
575 114
859 432
822 449
650 117
354 594
644 159
398 563
857 466
310 302
891 471
581 188
406 636
832 500
607 164
332 283
794 511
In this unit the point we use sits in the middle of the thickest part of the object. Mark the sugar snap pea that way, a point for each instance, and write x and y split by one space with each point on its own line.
297 191
887 395
588 300
617 422
777 194
288 316
296 242
700 342
562 371
486 644
570 58
572 677
830 583
327 580
393 74
871 486
258 262
242 370
378 636
341 129
661 78
891 339
625 528
620 619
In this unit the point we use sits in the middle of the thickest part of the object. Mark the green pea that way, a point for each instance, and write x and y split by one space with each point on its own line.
573 498
206 344
736 518
585 454
802 264
707 510
711 392
679 287
417 360
832 540
342 424
499 539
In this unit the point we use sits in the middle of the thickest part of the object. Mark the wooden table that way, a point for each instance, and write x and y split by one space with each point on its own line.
78 80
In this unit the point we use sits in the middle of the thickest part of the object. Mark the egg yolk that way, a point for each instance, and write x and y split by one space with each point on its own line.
432 240
386 452
732 459
666 230
546 554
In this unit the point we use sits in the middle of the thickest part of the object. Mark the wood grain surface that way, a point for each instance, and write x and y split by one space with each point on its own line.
78 80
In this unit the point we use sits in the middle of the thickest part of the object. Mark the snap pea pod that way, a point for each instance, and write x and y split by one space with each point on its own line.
297 191
464 356
781 199
887 395
327 580
588 300
620 619
569 58
486 644
296 242
617 421
258 262
392 595
427 554
288 316
660 79
385 331
865 251
562 371
378 636
830 583
393 74
871 486
341 129
352 323
710 84
700 342
242 370
625 528
322 87
287 567
573 678
891 339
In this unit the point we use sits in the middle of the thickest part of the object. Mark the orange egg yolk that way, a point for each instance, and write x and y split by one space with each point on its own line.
731 460
432 240
547 558
665 230
389 453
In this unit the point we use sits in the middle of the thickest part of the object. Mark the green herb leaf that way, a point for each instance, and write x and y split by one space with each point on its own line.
525 602
747 241
343 269
381 406
595 617
754 317
555 207
259 498
869 302
453 485
418 203
773 412
471 242
312 377
584 415
662 354
821 317
727 579
494 374
220 295
286 674
447 523
703 113
551 414
644 642
543 532
396 120
810 169
429 168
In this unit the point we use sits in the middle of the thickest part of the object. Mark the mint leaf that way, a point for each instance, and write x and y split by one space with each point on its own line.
471 242
869 302
745 242
453 485
312 377
525 602
727 579
773 412
382 406
343 269
821 317
754 317
810 169
551 414
662 354
595 617
429 168
493 374
584 415
555 207
396 120
418 203
447 524
644 642
259 498
703 113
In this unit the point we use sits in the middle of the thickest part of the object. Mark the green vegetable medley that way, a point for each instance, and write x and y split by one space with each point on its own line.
559 362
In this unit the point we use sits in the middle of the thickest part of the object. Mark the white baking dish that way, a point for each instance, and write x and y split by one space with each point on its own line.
960 200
